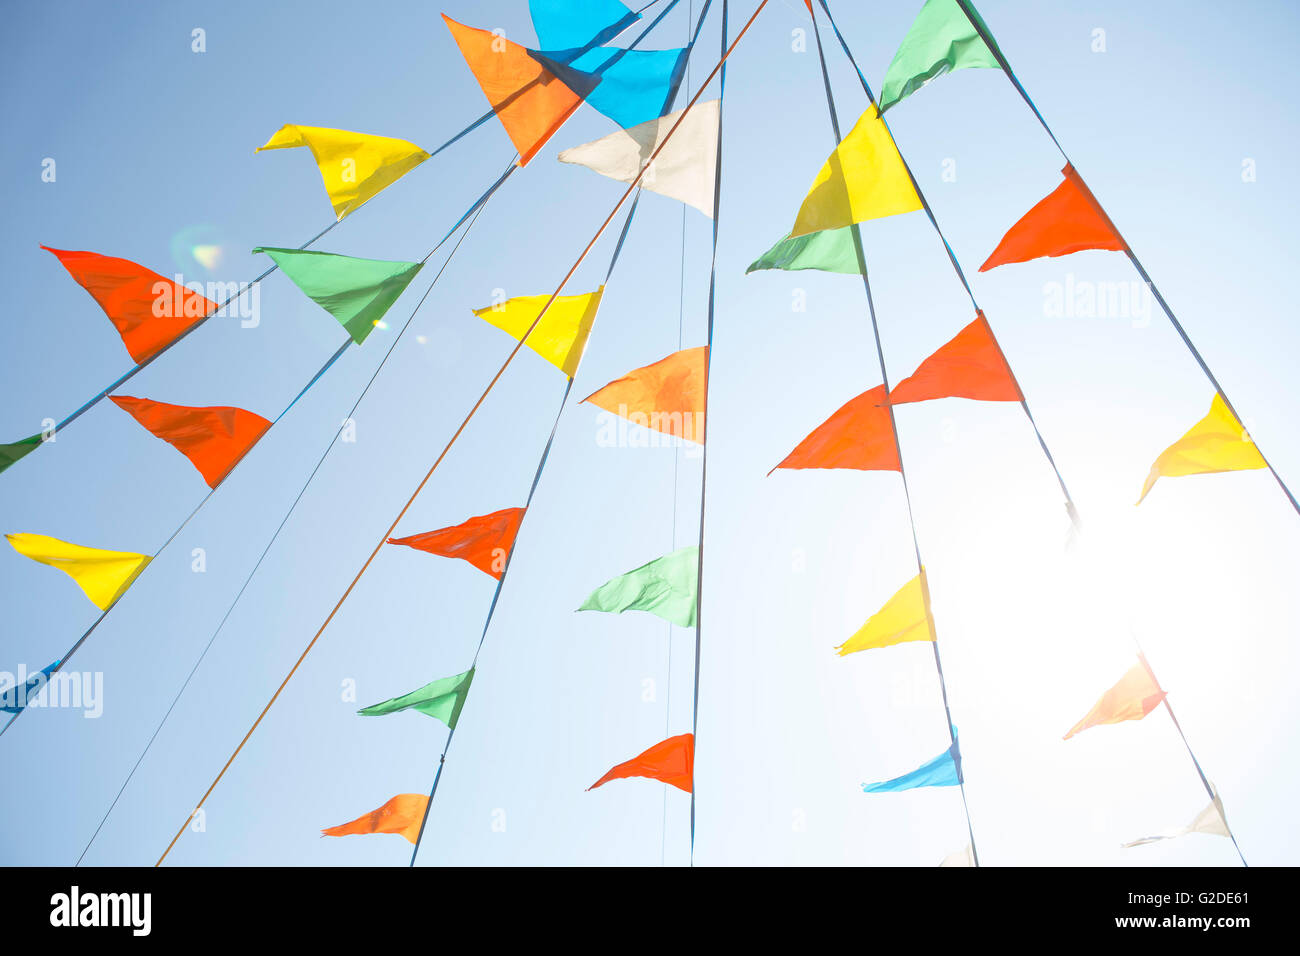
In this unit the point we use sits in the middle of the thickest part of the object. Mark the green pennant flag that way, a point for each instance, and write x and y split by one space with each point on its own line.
442 699
357 292
941 40
16 451
830 250
667 586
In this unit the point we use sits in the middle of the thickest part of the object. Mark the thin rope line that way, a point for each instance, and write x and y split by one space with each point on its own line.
907 495
455 435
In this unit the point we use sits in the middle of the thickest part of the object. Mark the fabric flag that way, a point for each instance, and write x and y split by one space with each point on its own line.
686 168
562 334
357 292
963 857
668 396
401 815
525 91
941 40
1216 443
860 435
148 311
355 167
14 699
565 24
1132 698
671 761
1069 220
103 575
636 86
940 772
484 541
1212 821
441 699
214 439
902 619
666 587
18 450
863 179
970 365
830 250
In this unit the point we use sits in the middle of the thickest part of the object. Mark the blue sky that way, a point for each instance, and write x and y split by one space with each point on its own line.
154 151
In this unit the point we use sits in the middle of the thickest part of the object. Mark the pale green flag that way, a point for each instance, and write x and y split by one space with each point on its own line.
941 40
830 250
357 292
442 699
667 586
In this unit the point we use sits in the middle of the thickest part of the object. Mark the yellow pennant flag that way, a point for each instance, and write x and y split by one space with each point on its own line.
103 575
902 619
561 335
353 166
1216 443
864 179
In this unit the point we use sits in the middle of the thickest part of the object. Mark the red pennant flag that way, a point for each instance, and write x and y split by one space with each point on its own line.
1069 220
859 435
970 365
671 760
149 312
1135 696
213 439
484 542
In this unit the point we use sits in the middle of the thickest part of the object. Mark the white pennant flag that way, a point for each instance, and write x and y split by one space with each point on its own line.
1211 820
686 168
963 857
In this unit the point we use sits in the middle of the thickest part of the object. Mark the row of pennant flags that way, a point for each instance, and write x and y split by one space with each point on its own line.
532 93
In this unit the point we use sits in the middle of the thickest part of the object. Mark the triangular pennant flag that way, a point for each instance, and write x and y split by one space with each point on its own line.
963 857
860 435
402 815
1216 443
863 179
942 39
902 619
1211 821
562 334
666 587
671 761
441 699
214 438
18 450
942 771
354 167
484 541
636 86
831 250
566 24
15 697
686 168
357 292
1069 220
148 311
668 396
970 365
528 98
1132 698
103 575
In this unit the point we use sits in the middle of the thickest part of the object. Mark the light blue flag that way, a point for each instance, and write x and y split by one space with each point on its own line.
939 772
14 698
636 86
578 24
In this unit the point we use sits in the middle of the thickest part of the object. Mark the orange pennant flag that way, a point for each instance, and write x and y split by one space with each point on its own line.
668 396
1069 220
401 815
970 365
148 311
531 101
213 439
1135 696
671 760
484 542
860 435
